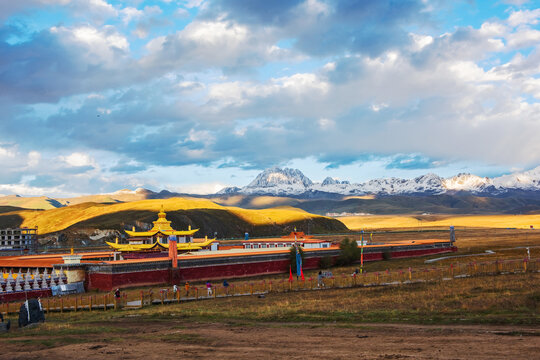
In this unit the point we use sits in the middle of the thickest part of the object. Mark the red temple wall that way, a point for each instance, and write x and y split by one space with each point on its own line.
109 281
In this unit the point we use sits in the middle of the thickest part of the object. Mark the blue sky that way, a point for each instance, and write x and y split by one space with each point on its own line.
194 95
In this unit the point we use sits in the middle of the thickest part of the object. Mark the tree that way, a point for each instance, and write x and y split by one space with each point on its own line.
349 252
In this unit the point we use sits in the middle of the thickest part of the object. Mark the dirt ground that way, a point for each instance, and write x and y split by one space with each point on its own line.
167 340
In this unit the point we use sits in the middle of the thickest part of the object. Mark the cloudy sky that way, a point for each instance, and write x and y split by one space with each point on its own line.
193 95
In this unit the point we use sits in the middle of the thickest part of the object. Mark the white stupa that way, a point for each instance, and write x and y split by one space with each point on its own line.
27 284
35 284
10 277
18 284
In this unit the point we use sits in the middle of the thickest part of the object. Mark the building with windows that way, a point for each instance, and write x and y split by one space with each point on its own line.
299 238
18 239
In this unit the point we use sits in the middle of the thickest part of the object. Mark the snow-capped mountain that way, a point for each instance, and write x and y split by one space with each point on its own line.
292 182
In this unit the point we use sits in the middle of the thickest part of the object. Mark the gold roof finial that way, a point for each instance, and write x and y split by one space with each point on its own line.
71 251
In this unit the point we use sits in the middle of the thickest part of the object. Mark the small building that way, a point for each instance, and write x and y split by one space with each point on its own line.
18 239
303 240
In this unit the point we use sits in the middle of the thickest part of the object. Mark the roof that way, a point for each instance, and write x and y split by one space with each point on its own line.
160 246
163 226
298 234
164 232
285 240
47 260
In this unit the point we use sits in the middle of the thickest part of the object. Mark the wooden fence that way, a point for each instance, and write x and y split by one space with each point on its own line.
132 299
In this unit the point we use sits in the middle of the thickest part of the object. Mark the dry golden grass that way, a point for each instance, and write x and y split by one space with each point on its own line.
408 221
269 201
61 218
40 202
362 197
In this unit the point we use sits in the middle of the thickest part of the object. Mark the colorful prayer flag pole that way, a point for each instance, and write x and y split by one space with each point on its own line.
298 262
362 254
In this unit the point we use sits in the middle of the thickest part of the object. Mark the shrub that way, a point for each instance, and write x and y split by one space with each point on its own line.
326 262
349 252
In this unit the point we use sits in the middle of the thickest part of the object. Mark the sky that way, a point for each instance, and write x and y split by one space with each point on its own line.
194 95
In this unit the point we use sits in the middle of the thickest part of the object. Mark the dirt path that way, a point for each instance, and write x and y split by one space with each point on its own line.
164 340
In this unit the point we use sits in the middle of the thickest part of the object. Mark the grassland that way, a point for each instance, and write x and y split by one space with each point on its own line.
440 221
486 317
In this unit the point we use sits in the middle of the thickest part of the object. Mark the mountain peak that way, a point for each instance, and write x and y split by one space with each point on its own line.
287 182
276 176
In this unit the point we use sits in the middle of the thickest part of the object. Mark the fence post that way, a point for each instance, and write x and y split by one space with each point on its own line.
105 302
90 303
76 302
410 274
48 306
525 265
270 286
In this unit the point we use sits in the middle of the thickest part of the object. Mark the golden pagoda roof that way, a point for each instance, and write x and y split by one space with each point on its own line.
154 232
161 225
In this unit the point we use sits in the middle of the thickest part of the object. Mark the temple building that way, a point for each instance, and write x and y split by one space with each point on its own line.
157 238
303 240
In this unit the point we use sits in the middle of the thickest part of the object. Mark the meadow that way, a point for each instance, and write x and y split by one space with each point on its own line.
484 316
369 222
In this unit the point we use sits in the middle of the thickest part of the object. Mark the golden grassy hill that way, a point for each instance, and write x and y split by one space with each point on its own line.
62 218
406 221
39 202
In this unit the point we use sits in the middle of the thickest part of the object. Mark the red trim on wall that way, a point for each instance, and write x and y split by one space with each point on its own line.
107 282
23 295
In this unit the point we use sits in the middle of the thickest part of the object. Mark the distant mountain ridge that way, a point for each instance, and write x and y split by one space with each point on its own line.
292 182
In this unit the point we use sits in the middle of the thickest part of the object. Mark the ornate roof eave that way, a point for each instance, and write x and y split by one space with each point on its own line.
157 244
166 233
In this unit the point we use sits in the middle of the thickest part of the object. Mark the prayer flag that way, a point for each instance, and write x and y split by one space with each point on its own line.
290 274
298 262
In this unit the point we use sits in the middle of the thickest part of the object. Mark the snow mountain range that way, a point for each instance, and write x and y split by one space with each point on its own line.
292 182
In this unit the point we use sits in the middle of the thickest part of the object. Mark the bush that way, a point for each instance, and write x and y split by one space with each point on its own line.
326 262
349 252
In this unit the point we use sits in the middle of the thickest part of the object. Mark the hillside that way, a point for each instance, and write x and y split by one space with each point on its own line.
480 221
436 204
199 213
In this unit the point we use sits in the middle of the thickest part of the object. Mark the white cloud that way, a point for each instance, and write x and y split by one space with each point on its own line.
130 14
96 46
78 159
34 158
524 17
524 38
202 188
325 123
6 152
